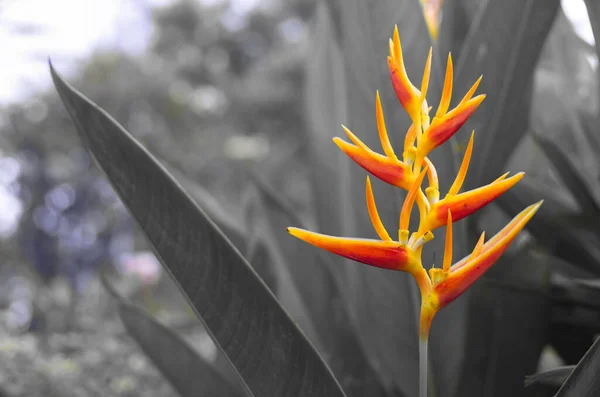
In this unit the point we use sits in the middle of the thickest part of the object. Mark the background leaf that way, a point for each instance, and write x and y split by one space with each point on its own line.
263 345
553 377
509 317
577 246
593 9
325 98
314 284
457 17
503 44
569 176
189 373
584 380
233 228
278 255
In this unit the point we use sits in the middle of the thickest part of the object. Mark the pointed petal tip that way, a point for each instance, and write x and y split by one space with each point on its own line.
476 101
339 141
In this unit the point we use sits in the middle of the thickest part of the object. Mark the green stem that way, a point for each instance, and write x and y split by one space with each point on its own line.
427 313
423 366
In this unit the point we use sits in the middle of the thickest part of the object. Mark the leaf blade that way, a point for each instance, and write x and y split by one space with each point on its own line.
569 175
190 374
584 380
554 377
264 347
507 61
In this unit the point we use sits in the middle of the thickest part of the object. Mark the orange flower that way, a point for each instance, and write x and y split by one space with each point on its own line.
387 168
440 286
451 281
384 253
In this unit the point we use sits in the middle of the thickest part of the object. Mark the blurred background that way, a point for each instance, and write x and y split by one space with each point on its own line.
215 90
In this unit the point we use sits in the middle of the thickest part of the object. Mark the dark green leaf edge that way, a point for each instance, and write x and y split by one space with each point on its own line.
551 377
272 357
189 373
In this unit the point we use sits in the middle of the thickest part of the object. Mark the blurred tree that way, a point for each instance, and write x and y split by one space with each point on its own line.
215 94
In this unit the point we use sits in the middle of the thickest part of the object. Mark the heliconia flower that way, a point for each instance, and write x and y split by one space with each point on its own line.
449 282
385 253
385 167
446 123
463 204
442 285
409 96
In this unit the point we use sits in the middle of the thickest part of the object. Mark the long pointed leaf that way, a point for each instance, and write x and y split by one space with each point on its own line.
584 380
504 44
569 175
553 377
233 229
268 352
316 279
325 97
189 373
279 257
458 15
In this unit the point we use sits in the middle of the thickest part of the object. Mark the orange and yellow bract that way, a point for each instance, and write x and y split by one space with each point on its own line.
440 286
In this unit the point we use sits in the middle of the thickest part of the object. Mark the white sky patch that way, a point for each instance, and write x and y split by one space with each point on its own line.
577 13
70 30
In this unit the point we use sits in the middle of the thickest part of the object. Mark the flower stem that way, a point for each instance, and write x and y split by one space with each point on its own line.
423 366
428 310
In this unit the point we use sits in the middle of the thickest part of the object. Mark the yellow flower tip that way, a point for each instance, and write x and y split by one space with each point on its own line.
464 166
447 90
502 177
381 128
397 44
410 200
374 215
426 76
472 90
448 245
354 138
478 247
